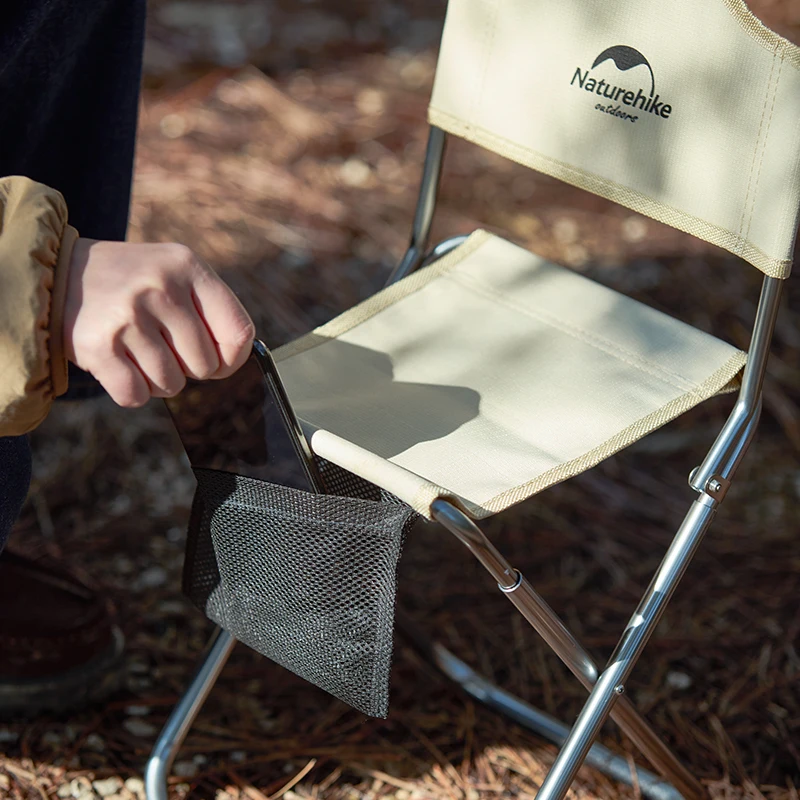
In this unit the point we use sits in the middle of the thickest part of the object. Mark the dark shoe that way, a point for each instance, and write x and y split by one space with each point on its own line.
59 648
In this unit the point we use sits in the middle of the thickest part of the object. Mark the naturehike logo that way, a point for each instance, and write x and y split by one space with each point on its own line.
619 98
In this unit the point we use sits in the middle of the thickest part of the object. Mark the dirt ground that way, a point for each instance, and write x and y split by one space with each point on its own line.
283 141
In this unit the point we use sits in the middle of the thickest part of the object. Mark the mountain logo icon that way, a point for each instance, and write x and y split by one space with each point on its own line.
623 102
626 58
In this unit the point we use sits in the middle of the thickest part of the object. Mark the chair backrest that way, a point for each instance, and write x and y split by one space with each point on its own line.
687 111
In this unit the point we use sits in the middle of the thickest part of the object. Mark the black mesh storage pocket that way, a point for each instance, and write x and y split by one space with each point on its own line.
306 580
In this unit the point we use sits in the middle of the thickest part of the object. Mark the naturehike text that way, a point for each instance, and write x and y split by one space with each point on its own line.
617 94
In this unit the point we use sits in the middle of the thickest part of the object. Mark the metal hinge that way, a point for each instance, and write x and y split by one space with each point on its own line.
716 486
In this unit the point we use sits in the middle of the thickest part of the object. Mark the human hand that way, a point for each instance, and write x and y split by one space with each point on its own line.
142 318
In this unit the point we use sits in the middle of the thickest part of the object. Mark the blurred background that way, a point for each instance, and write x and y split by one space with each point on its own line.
283 141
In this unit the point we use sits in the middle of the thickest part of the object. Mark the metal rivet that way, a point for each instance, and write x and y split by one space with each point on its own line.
620 689
714 486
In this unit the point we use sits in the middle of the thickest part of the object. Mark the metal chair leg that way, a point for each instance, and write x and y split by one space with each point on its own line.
547 624
511 706
611 683
183 715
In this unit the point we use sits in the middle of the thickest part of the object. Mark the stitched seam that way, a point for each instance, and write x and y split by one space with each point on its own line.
379 302
563 164
755 151
576 332
716 234
632 433
764 147
666 376
766 140
488 38
577 170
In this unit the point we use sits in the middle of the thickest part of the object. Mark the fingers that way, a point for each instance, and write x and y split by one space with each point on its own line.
155 360
145 365
228 324
123 380
186 334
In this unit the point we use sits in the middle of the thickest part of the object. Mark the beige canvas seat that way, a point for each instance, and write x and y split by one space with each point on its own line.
483 374
492 374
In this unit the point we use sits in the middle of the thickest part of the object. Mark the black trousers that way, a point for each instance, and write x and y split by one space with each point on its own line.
70 73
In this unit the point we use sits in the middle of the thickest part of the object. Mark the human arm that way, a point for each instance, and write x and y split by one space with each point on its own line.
33 368
139 317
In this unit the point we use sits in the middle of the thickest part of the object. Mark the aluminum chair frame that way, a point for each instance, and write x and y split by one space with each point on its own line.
711 480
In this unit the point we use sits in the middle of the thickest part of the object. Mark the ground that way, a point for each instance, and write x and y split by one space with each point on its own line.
282 141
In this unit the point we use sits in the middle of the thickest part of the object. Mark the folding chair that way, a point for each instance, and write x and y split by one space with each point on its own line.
484 374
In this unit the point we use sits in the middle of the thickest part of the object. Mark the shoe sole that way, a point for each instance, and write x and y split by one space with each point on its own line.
77 688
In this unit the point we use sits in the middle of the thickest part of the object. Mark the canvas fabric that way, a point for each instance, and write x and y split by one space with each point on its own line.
492 374
687 111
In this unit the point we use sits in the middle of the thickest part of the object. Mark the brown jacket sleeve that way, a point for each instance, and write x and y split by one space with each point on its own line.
35 248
